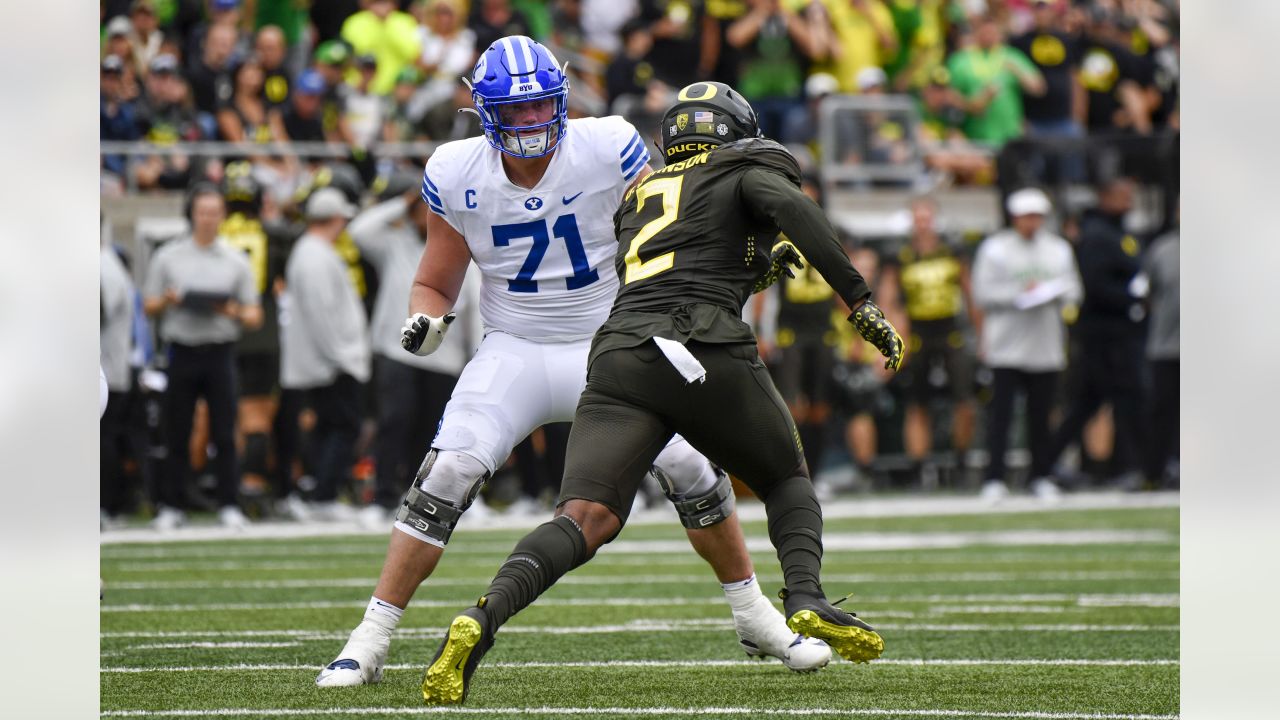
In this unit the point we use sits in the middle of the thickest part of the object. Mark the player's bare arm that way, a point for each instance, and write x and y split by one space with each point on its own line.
441 271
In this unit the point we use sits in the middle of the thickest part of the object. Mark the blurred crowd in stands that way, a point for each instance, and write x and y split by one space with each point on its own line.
1056 336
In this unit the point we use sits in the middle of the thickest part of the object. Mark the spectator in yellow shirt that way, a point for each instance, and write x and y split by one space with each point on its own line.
389 35
865 37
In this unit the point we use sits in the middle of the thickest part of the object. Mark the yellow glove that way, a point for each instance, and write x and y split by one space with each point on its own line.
871 324
782 257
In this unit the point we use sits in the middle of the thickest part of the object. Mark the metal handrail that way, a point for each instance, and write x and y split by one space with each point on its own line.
833 170
220 149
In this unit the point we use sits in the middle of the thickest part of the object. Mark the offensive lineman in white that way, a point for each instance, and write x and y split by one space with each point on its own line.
532 204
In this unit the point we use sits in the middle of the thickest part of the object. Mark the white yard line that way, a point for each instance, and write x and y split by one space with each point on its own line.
832 541
659 711
747 511
909 662
612 580
637 560
1084 600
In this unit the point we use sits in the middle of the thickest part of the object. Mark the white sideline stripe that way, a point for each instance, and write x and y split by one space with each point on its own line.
594 580
747 512
212 645
667 625
641 560
1168 600
648 625
660 711
832 541
910 662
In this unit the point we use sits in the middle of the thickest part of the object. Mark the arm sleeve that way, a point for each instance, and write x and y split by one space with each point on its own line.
1022 61
993 289
369 228
1074 292
246 289
432 175
1101 263
154 283
632 153
772 196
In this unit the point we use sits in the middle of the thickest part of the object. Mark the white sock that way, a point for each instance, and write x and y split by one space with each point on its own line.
383 614
743 593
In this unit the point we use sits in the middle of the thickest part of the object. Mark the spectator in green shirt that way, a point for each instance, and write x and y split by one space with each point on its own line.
389 35
992 77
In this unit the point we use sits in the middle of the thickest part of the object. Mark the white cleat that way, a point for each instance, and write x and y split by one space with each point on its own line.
374 517
294 507
763 632
1046 490
361 661
169 519
333 511
231 516
994 492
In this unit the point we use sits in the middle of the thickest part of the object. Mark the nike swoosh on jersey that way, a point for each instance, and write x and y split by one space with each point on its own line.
567 200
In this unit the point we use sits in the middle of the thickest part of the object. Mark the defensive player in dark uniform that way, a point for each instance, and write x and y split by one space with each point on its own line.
675 357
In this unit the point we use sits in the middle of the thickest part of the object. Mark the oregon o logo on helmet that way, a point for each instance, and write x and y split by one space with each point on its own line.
697 91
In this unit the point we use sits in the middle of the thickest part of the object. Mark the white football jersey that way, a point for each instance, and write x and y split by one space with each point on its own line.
545 255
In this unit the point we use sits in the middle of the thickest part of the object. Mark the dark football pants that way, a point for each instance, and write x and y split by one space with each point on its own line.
410 403
1038 389
338 417
207 371
635 400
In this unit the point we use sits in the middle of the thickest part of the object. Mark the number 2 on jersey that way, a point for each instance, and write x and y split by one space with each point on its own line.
669 189
565 228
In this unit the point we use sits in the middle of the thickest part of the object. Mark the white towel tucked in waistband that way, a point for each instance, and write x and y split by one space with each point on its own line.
683 360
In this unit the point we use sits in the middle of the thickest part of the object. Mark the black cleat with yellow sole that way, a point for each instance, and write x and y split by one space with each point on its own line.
815 616
449 675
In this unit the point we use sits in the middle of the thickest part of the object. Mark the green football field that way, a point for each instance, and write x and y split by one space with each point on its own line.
1042 613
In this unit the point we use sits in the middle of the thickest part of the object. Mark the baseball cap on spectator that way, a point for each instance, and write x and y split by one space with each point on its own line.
1028 201
112 64
224 5
333 52
328 202
408 75
819 84
310 83
367 60
163 65
870 78
119 25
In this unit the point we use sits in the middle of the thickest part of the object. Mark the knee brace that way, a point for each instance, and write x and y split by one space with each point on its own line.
445 486
699 509
256 446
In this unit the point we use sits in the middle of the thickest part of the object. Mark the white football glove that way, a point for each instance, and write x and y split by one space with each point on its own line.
422 334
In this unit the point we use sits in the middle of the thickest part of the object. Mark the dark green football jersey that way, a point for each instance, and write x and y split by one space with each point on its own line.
694 237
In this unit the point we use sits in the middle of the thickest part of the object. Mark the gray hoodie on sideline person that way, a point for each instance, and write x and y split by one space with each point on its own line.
1023 328
1161 267
323 327
391 244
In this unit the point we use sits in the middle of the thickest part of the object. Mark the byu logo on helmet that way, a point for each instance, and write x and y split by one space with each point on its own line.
522 96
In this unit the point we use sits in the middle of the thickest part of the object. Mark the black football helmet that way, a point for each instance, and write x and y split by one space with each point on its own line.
396 183
706 115
241 190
